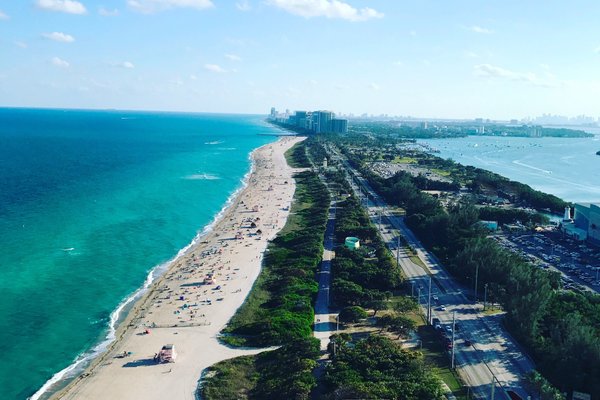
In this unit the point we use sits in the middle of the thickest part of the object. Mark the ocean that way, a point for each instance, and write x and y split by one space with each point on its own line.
90 203
566 167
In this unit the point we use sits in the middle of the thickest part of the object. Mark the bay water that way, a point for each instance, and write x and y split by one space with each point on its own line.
90 202
566 167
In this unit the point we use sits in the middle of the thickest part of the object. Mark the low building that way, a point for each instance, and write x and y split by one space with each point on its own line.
352 242
489 225
587 218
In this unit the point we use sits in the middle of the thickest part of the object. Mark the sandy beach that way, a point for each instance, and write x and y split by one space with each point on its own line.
194 299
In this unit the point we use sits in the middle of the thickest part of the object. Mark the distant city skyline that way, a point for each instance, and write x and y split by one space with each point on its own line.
429 59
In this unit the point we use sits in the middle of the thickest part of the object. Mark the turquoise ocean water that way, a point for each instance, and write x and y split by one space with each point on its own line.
567 168
90 202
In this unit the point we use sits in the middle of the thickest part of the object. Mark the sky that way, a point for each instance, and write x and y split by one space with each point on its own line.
498 59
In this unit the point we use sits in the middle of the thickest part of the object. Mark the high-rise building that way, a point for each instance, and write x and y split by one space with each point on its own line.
314 121
301 119
339 125
323 121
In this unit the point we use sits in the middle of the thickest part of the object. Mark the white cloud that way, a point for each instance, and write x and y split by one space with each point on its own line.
489 71
471 54
21 44
325 8
374 86
59 62
398 63
193 77
152 6
214 68
479 29
105 12
3 15
597 50
233 57
66 6
412 33
243 5
59 37
126 64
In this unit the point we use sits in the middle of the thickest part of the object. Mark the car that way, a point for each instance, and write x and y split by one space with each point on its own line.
449 329
468 342
436 298
438 327
442 308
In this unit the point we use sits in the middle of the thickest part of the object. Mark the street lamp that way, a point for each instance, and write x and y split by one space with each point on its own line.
398 254
453 329
476 278
485 296
429 303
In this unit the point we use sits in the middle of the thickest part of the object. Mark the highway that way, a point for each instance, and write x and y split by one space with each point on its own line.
493 364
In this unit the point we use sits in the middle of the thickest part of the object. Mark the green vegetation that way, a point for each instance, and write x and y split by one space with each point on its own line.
377 368
416 130
561 331
436 355
544 389
352 314
279 309
366 276
296 157
404 160
285 373
230 379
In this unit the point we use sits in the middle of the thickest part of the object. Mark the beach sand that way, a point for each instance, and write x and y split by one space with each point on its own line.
181 309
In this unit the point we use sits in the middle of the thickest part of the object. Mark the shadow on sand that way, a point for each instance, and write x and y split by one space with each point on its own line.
145 362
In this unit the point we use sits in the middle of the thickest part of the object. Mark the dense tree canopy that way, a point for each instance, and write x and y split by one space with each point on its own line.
377 368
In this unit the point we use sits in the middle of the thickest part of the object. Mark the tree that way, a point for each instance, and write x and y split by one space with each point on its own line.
352 314
405 304
376 368
399 324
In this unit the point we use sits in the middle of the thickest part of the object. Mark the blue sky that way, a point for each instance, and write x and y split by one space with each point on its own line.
446 58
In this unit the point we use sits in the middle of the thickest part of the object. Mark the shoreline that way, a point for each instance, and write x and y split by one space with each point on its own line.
132 310
120 314
519 160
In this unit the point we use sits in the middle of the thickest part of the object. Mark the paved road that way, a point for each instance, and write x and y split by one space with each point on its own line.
322 327
494 356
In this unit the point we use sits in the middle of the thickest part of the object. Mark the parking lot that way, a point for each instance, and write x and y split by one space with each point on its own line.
579 263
